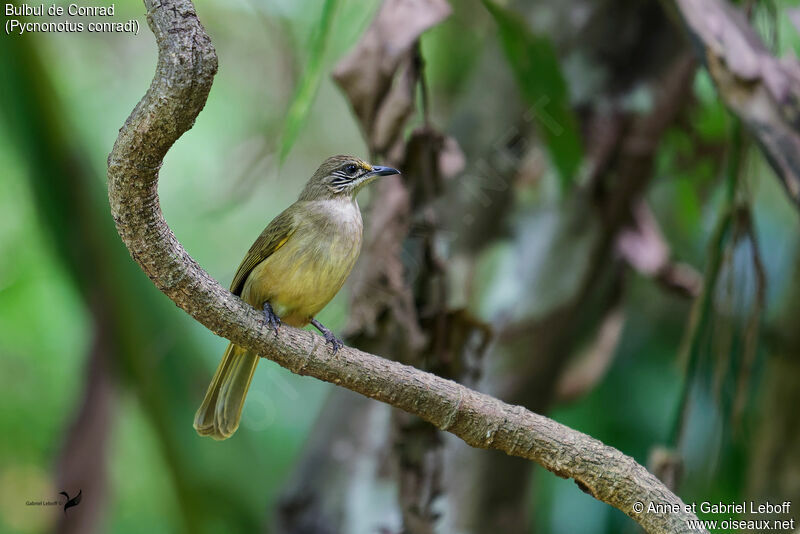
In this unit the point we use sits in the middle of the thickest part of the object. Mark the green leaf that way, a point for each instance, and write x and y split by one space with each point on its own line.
533 60
309 83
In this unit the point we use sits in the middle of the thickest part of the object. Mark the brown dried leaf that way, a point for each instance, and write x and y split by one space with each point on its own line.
452 160
591 365
366 73
644 248
395 109
762 90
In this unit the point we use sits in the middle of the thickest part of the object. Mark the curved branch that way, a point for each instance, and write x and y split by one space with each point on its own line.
186 67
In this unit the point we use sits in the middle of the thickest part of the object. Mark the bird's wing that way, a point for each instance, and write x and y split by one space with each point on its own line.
274 236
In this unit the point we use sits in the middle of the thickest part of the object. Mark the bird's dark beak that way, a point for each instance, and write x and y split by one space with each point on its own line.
378 170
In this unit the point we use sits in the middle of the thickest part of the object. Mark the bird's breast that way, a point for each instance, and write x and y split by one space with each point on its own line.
302 276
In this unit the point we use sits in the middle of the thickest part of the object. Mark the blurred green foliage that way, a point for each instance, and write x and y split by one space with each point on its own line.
533 59
309 82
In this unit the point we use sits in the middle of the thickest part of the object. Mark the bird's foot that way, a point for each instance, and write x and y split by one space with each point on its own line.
273 321
335 342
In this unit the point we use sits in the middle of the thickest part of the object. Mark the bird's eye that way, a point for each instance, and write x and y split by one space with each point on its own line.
350 168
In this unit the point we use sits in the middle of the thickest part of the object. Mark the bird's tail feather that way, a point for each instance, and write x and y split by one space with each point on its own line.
221 410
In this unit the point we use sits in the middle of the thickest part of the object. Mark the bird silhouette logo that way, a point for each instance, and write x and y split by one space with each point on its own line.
71 502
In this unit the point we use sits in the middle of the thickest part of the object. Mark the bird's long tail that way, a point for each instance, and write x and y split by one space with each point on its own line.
221 410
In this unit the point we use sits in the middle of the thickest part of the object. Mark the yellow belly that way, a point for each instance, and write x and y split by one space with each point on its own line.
302 276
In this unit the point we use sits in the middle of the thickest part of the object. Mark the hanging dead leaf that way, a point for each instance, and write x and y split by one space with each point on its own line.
760 89
367 74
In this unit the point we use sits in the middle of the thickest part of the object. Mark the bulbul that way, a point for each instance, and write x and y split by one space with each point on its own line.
294 268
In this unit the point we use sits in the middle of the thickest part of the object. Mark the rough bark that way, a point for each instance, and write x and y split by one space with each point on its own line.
186 66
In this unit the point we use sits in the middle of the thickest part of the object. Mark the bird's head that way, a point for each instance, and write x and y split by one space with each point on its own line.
342 177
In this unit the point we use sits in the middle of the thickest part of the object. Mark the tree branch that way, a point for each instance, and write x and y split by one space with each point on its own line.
186 66
757 87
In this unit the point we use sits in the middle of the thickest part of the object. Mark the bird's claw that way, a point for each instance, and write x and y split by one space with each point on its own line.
272 320
335 342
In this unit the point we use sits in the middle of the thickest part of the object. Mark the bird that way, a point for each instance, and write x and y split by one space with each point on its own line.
75 501
292 270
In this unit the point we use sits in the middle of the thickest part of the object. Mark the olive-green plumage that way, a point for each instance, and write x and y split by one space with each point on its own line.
295 267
